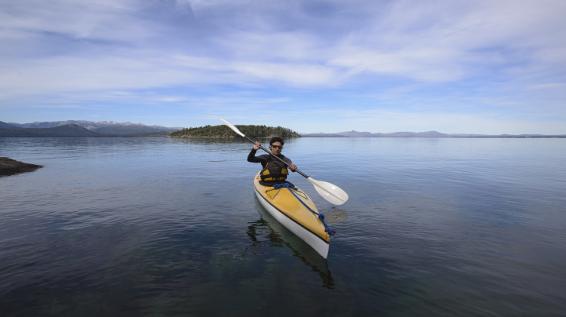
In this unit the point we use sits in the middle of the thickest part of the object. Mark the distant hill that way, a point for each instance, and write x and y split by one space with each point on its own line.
103 128
426 134
4 125
354 133
132 130
69 130
221 131
357 134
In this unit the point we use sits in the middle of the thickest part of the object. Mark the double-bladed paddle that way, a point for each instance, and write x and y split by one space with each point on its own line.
332 193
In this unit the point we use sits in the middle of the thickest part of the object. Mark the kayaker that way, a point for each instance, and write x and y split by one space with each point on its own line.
273 171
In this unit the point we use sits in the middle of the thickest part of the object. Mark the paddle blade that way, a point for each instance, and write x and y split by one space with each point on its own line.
233 127
332 193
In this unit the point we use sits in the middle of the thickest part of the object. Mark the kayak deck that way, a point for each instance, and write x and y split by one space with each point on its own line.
294 209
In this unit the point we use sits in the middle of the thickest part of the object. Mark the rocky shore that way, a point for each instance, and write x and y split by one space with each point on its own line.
10 167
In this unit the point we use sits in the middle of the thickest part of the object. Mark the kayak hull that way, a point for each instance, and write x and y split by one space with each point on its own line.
296 212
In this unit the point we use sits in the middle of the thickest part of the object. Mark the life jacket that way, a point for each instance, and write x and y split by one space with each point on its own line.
274 171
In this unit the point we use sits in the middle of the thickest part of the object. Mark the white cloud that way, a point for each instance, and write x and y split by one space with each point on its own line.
430 42
429 65
59 74
148 70
292 46
294 74
102 20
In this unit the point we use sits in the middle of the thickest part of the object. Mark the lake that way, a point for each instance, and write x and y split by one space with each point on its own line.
167 227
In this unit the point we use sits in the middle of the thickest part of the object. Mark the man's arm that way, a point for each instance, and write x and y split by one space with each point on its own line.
256 159
290 163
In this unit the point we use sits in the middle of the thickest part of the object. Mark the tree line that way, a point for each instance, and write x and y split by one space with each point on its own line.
221 131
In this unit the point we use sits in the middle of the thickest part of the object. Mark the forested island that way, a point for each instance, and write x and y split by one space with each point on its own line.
222 131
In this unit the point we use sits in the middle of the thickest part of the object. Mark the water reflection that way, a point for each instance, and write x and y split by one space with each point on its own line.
269 231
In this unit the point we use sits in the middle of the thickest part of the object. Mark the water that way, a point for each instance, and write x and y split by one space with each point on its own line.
158 226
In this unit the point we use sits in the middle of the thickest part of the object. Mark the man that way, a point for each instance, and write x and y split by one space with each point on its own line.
273 171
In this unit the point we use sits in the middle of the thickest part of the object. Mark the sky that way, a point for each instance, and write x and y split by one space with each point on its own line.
312 66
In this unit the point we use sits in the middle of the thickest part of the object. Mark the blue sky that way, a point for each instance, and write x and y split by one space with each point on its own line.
380 66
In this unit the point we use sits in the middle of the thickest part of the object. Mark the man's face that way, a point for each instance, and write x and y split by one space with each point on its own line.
276 148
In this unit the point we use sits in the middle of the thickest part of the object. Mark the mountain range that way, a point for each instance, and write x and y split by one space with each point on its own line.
81 128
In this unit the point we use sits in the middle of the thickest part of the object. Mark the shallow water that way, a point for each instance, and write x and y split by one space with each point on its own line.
158 226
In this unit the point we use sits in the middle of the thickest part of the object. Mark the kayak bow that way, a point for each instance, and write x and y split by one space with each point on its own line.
294 209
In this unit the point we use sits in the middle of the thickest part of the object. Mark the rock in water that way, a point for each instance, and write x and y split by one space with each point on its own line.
11 167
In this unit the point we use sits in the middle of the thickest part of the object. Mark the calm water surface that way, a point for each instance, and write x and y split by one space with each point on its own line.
157 226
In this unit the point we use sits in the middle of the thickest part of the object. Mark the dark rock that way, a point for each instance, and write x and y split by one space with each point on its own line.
11 167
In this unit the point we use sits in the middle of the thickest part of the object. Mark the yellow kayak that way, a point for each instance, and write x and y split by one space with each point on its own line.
294 209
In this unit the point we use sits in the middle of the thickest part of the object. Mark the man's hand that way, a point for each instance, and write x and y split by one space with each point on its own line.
257 145
293 167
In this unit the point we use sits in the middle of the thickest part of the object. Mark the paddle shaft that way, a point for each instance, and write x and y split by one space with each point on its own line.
275 156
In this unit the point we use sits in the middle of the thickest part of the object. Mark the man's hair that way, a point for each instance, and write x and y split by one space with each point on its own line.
276 139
